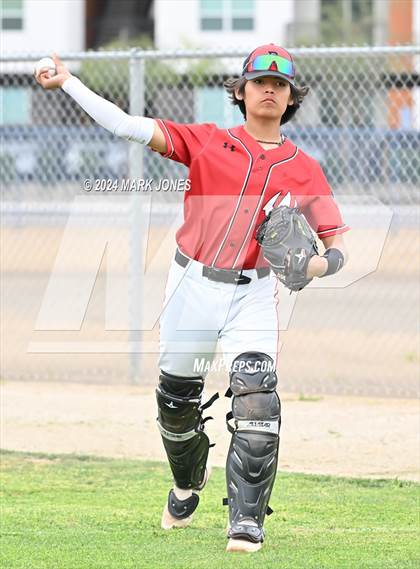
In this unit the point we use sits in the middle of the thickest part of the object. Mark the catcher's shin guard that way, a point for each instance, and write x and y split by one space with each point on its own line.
181 425
252 458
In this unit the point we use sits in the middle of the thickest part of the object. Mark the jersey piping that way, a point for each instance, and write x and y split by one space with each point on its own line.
238 203
260 201
326 231
170 151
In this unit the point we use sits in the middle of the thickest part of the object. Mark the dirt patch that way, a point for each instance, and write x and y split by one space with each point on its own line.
346 436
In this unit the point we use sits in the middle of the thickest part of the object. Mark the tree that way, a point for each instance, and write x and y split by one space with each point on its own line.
346 22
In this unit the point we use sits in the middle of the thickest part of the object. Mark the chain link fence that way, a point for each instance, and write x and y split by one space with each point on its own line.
361 121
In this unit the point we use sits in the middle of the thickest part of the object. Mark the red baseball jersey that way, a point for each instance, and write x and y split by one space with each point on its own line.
234 184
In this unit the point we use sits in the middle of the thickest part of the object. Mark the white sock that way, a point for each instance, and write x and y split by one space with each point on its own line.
182 494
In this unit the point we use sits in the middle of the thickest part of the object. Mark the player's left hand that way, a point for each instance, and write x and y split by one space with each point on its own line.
289 245
317 266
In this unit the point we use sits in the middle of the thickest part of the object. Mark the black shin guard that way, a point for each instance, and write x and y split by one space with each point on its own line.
252 458
181 425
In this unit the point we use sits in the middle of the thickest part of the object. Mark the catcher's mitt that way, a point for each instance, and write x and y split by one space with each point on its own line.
288 245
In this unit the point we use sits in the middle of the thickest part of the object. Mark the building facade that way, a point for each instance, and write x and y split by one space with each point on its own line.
221 23
39 26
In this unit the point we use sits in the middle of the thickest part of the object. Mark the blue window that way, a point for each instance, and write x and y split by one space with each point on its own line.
242 14
226 15
15 105
11 14
211 15
213 105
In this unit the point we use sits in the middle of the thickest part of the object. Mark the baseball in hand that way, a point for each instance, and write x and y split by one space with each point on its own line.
46 62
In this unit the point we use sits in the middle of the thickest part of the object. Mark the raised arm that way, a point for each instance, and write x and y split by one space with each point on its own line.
139 129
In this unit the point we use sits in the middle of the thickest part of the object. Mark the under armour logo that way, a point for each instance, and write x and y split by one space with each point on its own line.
171 405
227 145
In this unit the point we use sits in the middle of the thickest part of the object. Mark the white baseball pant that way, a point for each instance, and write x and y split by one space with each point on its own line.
198 313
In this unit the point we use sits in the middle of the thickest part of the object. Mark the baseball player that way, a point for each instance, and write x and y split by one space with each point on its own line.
254 202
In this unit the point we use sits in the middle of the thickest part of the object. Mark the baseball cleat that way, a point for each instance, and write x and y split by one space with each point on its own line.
170 522
246 537
243 545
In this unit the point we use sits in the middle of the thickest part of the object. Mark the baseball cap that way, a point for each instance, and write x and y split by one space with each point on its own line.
271 60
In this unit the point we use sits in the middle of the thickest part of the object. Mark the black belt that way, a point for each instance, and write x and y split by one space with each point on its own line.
222 275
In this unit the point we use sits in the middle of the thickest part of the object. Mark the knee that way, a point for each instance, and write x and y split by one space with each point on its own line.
189 387
179 401
256 404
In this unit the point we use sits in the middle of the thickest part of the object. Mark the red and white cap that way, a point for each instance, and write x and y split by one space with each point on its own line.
269 60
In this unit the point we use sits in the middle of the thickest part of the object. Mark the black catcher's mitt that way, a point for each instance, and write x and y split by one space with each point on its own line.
288 245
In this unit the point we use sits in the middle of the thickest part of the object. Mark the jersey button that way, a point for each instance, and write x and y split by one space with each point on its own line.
262 156
246 210
231 244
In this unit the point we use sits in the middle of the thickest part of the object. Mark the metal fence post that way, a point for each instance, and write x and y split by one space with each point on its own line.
136 74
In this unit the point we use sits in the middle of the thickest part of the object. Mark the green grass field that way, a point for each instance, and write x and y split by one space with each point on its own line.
70 512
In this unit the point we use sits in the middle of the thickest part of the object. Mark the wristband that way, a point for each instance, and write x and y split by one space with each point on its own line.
335 260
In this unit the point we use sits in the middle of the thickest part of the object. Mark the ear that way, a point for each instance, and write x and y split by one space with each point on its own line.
238 95
291 100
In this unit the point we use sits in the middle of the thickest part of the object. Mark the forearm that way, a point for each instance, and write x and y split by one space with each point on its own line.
108 115
318 264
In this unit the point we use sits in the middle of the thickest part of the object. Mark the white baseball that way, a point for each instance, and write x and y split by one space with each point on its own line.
46 62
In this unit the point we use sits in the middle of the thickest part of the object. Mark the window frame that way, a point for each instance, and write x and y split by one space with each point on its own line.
227 15
10 14
228 115
24 101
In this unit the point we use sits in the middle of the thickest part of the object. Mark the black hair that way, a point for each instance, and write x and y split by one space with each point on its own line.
233 84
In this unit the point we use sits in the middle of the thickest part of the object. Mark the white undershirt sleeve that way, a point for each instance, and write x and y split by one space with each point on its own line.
108 115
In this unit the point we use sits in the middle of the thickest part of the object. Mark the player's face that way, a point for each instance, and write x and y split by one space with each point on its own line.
267 97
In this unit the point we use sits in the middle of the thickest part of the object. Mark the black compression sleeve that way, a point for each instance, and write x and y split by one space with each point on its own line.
335 259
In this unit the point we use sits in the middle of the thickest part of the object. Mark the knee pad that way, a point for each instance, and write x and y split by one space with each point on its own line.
252 458
181 424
